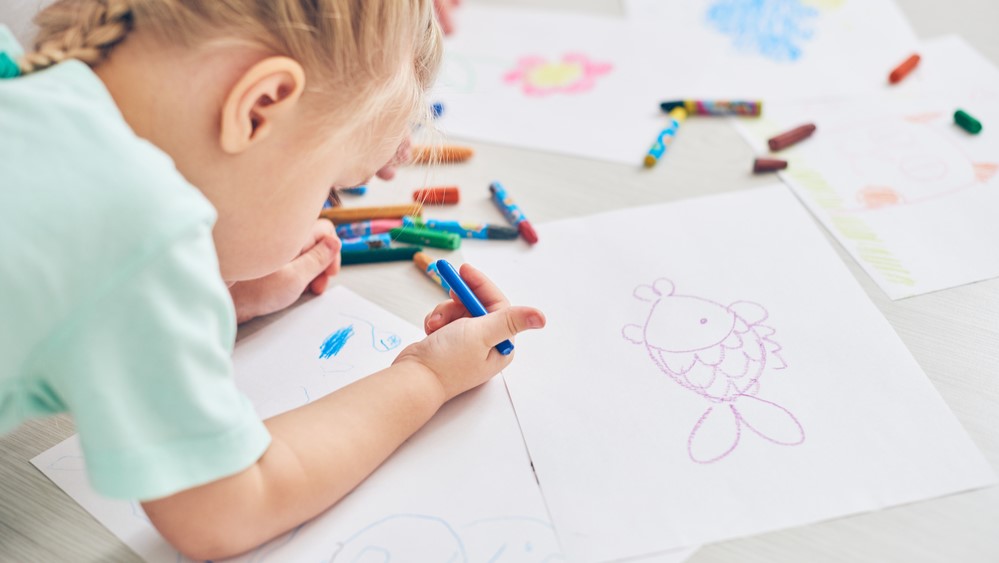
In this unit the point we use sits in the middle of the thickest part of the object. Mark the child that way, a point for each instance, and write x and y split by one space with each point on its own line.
134 125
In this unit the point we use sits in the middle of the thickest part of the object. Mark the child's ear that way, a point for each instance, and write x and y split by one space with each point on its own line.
263 95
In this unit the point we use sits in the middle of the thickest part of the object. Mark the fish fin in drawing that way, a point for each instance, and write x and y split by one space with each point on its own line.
769 420
774 350
715 435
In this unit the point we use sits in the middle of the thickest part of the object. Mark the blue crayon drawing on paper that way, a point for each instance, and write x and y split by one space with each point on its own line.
775 29
335 342
381 340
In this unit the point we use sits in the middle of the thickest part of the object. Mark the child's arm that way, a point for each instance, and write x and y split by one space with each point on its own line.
321 451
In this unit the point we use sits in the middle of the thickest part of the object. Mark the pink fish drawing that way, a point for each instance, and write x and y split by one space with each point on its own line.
720 352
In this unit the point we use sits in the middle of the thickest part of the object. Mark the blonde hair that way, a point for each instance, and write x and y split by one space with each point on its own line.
378 56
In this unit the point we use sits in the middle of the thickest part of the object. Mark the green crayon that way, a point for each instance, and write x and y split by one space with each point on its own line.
426 237
379 255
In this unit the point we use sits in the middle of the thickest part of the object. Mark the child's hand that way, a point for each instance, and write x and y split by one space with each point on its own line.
459 350
318 260
444 8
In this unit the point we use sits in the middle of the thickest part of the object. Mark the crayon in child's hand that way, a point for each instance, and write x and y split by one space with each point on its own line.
468 299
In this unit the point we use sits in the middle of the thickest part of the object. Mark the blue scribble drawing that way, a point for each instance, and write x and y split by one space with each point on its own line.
511 539
421 538
403 538
260 554
381 340
775 29
335 342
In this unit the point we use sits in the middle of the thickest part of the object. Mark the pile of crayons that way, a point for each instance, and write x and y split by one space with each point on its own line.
678 110
368 234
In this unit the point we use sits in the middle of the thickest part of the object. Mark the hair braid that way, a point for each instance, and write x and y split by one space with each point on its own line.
85 30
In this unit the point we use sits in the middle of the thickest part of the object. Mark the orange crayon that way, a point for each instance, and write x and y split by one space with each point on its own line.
439 195
444 154
340 215
903 70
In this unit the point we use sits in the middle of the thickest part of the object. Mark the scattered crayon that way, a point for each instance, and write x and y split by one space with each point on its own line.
744 108
903 70
784 140
436 109
676 116
426 237
355 190
467 298
366 228
768 165
464 230
355 214
383 240
379 255
440 195
446 154
966 122
428 266
513 213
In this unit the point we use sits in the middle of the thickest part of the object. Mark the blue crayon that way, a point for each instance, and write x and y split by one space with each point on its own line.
467 298
366 228
356 190
513 213
436 109
366 242
464 230
676 117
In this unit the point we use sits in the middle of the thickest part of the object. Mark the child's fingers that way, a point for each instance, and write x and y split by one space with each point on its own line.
443 315
507 323
320 229
444 15
483 288
313 264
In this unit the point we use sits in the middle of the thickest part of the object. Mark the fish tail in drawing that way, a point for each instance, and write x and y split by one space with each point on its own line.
718 432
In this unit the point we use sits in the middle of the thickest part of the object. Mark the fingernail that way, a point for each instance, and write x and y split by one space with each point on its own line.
435 318
534 321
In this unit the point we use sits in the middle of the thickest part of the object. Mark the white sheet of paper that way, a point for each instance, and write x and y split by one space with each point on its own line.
764 390
553 81
777 49
461 490
910 195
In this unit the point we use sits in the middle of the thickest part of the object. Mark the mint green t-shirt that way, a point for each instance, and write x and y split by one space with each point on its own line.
112 307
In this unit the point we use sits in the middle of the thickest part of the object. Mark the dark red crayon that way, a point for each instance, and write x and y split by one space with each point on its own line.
784 140
768 165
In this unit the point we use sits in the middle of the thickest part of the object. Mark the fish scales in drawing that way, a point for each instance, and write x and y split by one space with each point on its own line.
719 352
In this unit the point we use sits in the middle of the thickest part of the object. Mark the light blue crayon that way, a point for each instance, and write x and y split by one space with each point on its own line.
359 244
666 136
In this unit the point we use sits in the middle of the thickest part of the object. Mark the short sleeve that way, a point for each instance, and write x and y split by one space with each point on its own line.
146 372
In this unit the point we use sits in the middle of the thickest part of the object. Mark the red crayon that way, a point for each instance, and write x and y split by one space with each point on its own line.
903 70
768 165
791 137
440 195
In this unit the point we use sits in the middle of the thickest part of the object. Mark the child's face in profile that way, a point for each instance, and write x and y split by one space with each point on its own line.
271 199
